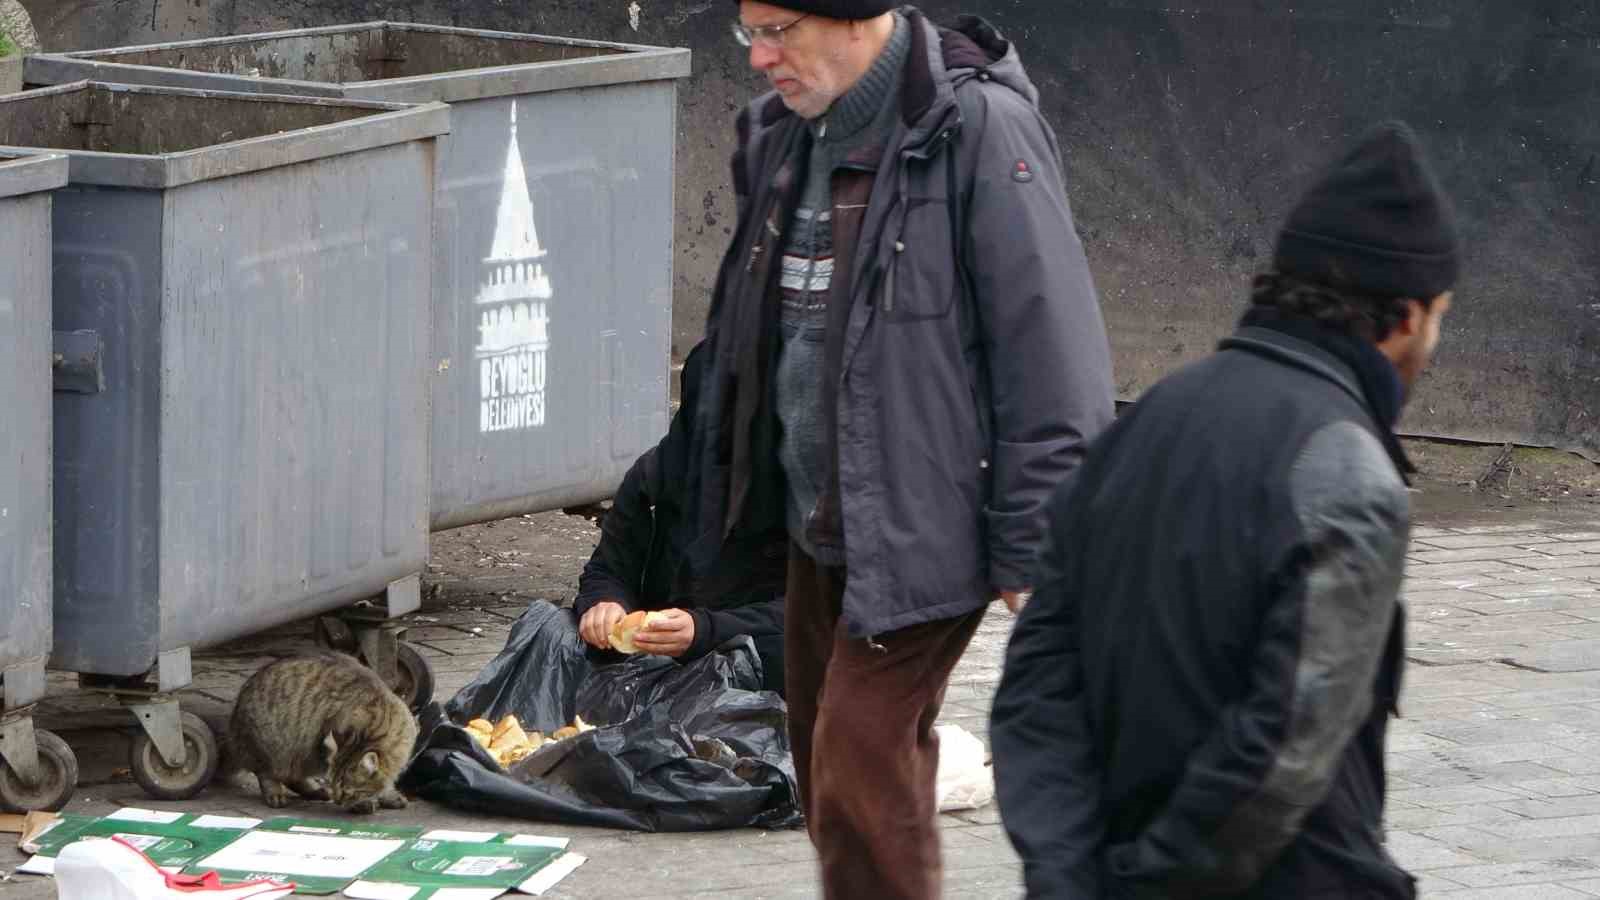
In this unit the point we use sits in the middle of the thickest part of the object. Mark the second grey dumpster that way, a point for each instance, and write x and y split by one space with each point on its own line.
553 272
37 768
255 269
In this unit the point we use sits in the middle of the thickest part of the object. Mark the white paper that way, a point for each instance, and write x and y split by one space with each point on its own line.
231 823
538 840
551 875
463 837
309 829
141 842
133 814
377 890
38 865
290 854
480 866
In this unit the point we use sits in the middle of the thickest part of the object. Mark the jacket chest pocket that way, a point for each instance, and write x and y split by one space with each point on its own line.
919 281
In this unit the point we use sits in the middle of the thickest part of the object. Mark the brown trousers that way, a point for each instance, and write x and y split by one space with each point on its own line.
861 724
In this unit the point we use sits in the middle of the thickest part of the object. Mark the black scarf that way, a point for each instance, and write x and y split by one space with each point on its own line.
1379 380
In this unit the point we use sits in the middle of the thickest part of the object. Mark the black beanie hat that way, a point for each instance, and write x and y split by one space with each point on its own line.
1376 222
837 9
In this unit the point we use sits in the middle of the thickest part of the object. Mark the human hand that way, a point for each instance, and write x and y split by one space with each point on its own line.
1015 600
595 626
669 636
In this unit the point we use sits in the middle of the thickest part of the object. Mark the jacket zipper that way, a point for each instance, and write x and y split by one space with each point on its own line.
888 306
899 245
888 280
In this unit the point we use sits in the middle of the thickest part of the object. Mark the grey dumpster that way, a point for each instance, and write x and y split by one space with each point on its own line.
37 769
553 269
250 274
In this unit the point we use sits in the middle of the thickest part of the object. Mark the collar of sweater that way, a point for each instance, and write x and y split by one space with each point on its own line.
856 108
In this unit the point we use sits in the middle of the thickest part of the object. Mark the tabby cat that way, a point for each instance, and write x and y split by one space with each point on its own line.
326 728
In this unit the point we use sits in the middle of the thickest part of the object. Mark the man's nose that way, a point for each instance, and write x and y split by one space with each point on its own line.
763 57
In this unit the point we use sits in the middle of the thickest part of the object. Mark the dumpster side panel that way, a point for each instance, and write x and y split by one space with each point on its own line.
335 56
553 317
107 258
25 438
296 336
423 51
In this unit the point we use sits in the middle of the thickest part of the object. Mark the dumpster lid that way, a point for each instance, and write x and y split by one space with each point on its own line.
31 174
156 137
384 60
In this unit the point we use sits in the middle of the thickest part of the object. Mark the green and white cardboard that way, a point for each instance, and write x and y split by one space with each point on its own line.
376 862
454 870
319 857
341 829
171 840
47 844
468 865
316 863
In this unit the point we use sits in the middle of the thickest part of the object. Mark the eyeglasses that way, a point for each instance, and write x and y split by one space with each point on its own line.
767 35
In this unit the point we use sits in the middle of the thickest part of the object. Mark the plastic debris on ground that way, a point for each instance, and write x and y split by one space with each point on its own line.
113 869
965 778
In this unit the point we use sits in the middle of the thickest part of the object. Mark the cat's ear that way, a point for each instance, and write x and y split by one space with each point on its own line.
369 763
330 745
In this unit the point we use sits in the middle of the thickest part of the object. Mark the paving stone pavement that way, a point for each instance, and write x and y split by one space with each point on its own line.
1494 765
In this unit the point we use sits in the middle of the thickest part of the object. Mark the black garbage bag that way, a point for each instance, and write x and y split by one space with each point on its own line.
691 747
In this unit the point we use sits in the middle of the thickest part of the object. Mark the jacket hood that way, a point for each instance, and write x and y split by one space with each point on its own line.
940 58
943 58
971 43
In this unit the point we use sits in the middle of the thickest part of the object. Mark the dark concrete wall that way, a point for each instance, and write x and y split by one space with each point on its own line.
1188 129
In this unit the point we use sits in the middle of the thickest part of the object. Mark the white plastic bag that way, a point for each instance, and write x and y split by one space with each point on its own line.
110 869
965 779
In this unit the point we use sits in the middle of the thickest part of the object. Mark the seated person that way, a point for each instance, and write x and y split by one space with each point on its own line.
639 564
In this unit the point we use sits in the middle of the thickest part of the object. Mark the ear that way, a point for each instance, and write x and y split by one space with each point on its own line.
369 763
1416 315
330 745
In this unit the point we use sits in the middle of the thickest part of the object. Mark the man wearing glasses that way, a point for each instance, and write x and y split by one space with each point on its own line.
905 356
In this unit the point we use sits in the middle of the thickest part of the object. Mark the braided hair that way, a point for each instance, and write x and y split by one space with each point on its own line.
1359 314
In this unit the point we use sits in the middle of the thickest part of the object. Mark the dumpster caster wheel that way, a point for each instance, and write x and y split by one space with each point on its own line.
416 676
58 778
164 782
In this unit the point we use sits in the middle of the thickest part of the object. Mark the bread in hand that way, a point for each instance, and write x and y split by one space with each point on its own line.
628 626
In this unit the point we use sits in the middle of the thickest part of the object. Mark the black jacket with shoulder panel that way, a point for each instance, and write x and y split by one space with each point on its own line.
1194 703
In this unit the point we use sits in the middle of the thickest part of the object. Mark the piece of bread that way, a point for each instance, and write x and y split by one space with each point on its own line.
513 736
507 723
480 730
562 734
623 632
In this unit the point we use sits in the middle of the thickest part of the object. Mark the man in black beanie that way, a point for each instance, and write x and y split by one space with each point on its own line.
1195 702
905 354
